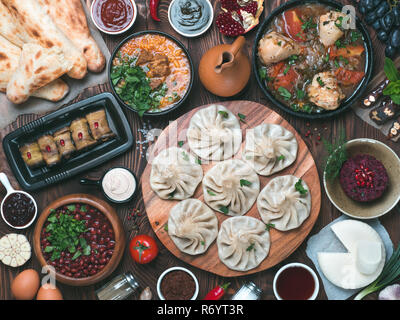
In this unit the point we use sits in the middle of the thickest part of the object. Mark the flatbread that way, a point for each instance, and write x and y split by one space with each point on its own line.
70 17
37 67
10 27
42 29
9 60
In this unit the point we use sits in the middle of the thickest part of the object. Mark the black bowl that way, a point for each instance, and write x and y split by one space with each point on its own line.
180 102
346 103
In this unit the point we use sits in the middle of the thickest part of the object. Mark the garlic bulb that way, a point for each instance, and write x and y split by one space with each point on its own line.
15 250
390 293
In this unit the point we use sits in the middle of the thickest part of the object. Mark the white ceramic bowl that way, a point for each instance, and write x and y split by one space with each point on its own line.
378 207
297 264
192 35
115 32
4 180
196 292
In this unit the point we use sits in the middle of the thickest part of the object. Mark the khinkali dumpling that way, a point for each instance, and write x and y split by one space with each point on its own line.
243 243
285 202
175 174
231 187
214 133
192 226
270 148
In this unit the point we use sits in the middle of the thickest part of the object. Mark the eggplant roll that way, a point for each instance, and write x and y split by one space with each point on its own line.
31 155
49 150
99 125
80 134
387 110
64 142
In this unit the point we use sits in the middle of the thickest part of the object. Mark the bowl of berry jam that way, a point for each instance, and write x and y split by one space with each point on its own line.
18 208
367 184
81 237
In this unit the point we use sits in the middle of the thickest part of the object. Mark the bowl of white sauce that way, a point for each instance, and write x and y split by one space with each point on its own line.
119 185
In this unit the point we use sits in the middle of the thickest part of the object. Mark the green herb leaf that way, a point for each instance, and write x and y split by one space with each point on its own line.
251 247
223 113
71 208
321 83
244 182
76 255
281 157
224 209
268 226
241 117
181 143
202 243
286 70
301 94
299 187
284 93
185 156
166 227
211 193
391 71
198 160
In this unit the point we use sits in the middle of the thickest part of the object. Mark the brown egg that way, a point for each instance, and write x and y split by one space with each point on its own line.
49 292
25 285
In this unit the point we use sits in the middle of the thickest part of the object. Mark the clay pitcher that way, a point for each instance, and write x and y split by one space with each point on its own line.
225 69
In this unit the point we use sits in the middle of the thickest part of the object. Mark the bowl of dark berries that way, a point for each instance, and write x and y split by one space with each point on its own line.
361 178
81 237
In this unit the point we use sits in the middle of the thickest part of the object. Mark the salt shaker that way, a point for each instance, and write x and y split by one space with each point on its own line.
249 291
118 288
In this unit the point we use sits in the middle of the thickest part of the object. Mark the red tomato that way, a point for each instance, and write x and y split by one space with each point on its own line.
348 77
283 76
143 249
293 25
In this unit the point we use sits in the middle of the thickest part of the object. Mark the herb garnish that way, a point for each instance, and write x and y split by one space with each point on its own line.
300 94
321 83
133 87
287 68
354 36
185 156
64 235
223 113
281 157
284 93
181 143
211 193
242 117
198 161
393 75
339 44
251 247
268 226
244 182
299 187
309 24
337 155
224 209
166 227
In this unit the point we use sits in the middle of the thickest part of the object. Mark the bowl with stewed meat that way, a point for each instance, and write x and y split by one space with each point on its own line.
81 237
312 59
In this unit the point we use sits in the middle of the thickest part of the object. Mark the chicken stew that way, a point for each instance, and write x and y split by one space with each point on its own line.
309 60
151 73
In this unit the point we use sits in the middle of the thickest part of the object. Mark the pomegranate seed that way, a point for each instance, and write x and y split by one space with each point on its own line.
48 149
80 135
28 154
62 142
96 124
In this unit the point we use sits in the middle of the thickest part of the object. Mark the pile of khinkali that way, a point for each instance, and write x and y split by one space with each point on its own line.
285 202
231 187
175 174
243 243
270 148
214 133
192 226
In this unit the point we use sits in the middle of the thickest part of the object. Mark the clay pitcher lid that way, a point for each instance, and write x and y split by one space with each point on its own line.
225 69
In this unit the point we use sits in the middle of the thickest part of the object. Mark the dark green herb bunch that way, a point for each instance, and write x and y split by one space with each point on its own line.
337 155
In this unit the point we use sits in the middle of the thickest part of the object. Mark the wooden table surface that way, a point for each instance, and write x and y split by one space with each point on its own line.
147 274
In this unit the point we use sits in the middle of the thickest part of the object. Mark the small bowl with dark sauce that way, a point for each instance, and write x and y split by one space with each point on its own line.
18 208
113 16
190 18
296 281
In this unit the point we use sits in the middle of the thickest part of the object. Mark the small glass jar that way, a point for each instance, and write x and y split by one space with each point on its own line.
118 288
249 291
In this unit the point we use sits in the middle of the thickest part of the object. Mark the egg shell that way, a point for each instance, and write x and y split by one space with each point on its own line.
25 285
49 292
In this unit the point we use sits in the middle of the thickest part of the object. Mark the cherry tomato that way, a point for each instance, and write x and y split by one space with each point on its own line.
143 249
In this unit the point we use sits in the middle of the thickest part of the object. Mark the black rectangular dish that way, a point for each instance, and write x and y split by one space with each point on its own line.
32 179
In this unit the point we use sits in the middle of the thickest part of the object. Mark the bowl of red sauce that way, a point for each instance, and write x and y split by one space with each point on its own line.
296 281
113 16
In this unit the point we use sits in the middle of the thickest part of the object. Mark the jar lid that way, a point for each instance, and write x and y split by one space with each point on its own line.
131 280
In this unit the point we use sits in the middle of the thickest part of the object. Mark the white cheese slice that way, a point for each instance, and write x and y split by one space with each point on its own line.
357 268
369 256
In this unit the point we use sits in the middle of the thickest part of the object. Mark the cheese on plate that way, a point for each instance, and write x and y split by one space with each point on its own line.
363 262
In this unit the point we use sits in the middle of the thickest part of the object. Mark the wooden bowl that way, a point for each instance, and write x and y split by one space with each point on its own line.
113 218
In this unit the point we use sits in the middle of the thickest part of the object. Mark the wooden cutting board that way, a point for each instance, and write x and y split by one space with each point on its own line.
282 243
